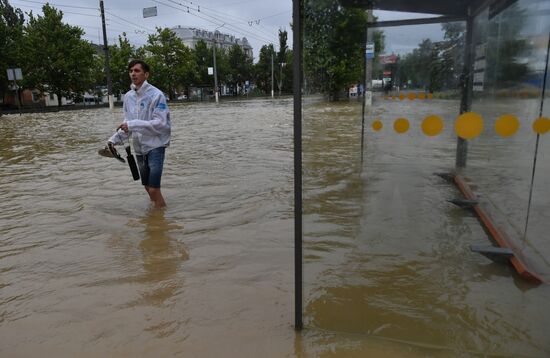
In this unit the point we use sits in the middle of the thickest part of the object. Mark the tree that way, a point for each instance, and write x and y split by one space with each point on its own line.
453 52
262 69
240 66
11 35
506 49
204 59
333 45
173 64
121 54
379 46
281 58
57 59
417 68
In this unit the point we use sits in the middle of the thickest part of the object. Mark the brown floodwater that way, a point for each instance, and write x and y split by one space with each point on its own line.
89 269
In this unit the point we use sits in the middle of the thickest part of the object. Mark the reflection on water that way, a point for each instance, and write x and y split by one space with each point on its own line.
161 255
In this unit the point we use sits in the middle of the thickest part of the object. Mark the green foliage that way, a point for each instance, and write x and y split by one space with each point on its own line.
334 42
240 67
173 64
121 54
506 51
435 66
99 75
379 47
282 60
57 59
204 59
222 65
11 36
262 69
54 58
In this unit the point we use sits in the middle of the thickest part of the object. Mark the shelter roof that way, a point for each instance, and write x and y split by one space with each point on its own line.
437 7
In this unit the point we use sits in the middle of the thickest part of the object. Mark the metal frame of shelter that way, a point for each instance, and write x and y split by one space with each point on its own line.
446 11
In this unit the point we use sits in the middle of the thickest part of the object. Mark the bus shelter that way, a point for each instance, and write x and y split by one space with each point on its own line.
433 182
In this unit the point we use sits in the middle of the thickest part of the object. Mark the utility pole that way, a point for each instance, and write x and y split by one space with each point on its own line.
107 60
272 93
215 70
369 56
280 81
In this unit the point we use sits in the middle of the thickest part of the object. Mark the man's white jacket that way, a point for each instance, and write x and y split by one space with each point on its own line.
148 118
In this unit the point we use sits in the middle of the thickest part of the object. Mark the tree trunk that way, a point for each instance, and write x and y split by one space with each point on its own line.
58 99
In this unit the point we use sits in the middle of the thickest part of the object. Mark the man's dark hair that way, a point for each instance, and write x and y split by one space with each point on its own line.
144 65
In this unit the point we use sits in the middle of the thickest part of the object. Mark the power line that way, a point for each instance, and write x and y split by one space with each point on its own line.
131 23
64 12
226 15
220 21
72 6
122 24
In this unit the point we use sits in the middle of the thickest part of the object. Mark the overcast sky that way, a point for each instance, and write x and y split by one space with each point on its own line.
257 20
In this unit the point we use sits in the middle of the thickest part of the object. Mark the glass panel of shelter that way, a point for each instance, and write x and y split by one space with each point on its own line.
388 234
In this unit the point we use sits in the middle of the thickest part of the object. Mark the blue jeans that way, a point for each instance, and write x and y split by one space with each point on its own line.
150 167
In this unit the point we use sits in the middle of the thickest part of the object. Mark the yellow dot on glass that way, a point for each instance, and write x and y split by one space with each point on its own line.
401 97
432 125
507 125
412 96
401 125
541 125
377 125
421 95
430 96
393 97
468 125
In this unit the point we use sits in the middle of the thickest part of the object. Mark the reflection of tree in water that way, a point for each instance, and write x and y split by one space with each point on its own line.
161 256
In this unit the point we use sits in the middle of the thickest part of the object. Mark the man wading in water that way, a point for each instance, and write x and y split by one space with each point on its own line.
147 120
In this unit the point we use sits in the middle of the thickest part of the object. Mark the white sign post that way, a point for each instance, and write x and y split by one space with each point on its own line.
210 71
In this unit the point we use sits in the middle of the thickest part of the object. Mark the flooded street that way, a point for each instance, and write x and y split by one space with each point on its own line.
88 269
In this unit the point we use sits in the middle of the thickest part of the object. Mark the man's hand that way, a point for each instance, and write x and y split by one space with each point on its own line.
124 127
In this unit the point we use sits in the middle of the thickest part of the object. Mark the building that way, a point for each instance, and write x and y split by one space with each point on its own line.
190 36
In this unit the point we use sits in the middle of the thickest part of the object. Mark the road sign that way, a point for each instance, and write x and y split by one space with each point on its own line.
149 11
14 74
210 71
370 50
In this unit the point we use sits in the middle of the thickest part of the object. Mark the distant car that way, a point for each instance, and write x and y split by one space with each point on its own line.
183 96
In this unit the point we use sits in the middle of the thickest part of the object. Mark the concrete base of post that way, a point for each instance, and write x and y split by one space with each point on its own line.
111 102
368 98
217 97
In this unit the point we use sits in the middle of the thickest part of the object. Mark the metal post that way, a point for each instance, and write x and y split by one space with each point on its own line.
466 100
367 88
272 92
18 95
368 70
215 70
280 84
107 60
297 89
